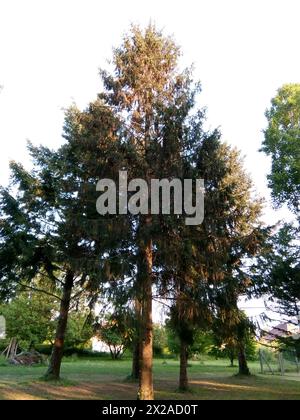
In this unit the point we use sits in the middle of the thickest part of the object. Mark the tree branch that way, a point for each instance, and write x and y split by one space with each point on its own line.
35 289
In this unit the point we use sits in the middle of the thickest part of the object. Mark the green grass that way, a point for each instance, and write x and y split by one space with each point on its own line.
105 379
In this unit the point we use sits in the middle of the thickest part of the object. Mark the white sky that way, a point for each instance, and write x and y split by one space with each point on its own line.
50 52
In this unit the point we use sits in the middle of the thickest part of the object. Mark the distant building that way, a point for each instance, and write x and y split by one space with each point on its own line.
283 330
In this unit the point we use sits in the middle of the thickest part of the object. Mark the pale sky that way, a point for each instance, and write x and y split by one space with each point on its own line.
50 52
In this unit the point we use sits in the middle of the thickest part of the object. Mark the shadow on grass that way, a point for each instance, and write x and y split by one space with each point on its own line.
63 382
131 380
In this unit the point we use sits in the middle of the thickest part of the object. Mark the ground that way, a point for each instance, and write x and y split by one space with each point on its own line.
104 379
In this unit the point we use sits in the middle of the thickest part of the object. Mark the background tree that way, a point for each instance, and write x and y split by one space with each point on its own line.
30 318
79 330
50 225
116 332
201 345
160 340
234 337
277 272
215 252
282 144
234 236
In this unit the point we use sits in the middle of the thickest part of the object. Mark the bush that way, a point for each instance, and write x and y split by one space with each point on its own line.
44 349
3 361
160 341
3 344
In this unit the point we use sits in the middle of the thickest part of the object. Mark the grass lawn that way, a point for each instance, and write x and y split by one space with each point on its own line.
105 379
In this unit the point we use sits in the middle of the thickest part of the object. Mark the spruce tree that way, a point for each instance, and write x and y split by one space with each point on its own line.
49 222
147 91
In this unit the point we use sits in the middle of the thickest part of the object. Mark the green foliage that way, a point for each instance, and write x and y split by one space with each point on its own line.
29 318
232 331
206 264
79 331
160 340
144 121
276 272
291 345
117 333
231 352
282 144
173 340
200 345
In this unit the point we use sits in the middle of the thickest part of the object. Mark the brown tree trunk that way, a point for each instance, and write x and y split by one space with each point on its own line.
183 377
136 351
146 361
53 372
146 391
135 374
232 352
243 365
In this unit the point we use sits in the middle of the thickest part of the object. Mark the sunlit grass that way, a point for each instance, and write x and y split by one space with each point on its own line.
105 379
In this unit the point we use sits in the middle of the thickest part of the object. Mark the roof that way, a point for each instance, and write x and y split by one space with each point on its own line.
282 330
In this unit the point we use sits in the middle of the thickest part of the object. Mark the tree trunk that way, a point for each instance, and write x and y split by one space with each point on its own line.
183 377
135 374
146 391
53 372
146 354
231 357
243 365
136 350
